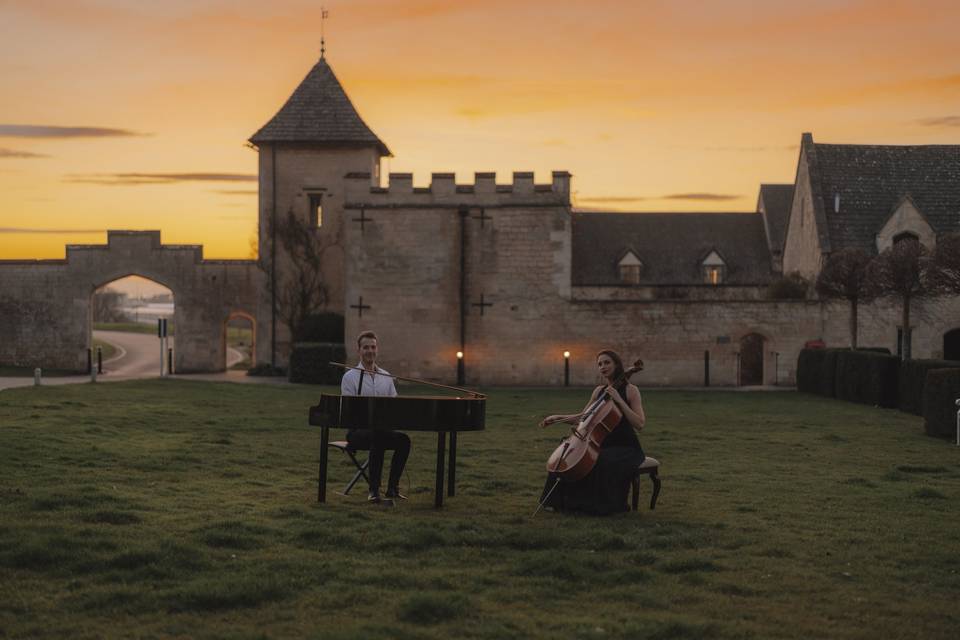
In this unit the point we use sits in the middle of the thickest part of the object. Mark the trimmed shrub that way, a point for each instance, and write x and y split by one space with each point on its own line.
913 376
322 327
792 286
309 362
940 392
809 367
266 369
867 377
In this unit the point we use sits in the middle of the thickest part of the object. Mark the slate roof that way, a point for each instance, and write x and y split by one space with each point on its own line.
871 181
671 246
319 111
777 200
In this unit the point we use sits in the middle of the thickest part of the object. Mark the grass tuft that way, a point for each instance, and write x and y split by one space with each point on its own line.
921 468
927 493
689 566
230 592
111 517
433 608
233 535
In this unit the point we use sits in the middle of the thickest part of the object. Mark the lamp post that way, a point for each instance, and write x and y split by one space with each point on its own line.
566 368
461 376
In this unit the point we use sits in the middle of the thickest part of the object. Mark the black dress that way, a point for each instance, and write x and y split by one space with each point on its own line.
604 490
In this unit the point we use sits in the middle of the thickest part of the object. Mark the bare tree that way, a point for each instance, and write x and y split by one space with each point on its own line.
297 280
947 259
906 273
844 277
108 306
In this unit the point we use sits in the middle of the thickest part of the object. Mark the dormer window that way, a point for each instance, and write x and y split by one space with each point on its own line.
714 269
630 268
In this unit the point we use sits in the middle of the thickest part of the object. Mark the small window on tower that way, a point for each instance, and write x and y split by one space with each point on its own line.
316 209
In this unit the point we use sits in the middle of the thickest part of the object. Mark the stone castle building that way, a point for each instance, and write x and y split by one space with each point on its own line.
510 274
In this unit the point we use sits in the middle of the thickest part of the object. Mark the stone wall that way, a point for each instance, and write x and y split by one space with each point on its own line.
801 252
45 305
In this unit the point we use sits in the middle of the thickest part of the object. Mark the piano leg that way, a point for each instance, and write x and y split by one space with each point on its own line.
452 473
441 454
322 476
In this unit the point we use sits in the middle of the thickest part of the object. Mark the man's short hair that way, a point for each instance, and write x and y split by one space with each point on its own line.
366 334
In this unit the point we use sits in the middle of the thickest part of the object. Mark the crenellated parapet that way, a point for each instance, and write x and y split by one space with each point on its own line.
135 243
444 191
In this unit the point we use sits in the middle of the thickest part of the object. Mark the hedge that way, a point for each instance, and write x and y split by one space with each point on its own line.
913 375
940 392
828 373
309 362
867 377
809 368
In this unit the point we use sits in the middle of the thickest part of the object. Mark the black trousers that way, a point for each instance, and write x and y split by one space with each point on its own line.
377 441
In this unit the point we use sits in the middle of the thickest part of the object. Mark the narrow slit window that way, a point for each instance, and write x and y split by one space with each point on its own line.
316 209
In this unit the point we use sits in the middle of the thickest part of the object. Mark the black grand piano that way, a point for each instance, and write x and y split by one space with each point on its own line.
401 413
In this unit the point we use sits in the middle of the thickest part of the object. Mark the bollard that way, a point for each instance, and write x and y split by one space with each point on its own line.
170 361
89 359
99 360
36 377
958 422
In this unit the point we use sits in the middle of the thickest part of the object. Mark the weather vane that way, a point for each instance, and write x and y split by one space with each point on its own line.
323 18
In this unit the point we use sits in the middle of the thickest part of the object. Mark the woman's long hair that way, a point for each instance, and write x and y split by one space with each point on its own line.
618 369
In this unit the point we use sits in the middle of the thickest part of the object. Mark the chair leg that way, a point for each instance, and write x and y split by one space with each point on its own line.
635 490
656 489
361 472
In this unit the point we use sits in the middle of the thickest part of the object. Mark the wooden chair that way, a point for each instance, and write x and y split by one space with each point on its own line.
649 467
342 445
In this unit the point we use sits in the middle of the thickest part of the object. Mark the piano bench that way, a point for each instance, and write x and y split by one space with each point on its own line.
361 466
649 467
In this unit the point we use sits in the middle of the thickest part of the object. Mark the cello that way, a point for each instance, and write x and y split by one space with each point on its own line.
578 453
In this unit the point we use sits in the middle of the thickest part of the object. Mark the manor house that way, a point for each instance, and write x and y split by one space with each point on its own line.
512 277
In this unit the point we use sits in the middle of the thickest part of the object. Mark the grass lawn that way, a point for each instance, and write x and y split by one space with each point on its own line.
107 350
183 509
27 372
132 327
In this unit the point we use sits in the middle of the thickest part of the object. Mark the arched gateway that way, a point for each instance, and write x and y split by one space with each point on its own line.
45 310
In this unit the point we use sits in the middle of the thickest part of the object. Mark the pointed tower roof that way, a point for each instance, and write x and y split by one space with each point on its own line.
319 111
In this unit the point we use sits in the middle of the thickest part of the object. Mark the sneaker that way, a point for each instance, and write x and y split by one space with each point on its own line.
395 493
373 498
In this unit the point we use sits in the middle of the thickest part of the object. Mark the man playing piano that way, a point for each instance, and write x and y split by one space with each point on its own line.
367 379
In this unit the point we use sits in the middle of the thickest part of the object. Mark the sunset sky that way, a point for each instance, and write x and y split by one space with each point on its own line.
123 114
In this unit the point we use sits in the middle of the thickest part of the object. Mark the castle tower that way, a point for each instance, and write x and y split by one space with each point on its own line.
305 151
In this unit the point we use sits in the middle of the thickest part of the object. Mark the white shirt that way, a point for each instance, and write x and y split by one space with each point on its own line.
374 383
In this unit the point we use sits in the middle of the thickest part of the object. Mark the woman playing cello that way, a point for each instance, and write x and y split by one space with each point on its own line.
604 490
